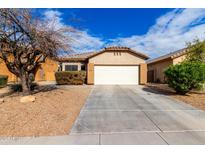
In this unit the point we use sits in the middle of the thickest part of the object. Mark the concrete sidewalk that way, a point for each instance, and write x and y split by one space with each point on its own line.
140 138
86 139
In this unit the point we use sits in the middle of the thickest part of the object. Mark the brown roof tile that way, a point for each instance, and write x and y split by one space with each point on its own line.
171 55
77 57
84 56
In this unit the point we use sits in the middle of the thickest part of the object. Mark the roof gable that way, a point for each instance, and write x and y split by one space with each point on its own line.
120 49
171 55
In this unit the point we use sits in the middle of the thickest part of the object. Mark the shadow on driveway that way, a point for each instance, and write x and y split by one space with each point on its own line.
156 90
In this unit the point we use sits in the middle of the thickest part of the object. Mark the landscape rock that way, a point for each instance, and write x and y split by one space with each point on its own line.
1 100
29 98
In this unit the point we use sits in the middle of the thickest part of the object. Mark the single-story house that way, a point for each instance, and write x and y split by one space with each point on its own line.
112 65
157 66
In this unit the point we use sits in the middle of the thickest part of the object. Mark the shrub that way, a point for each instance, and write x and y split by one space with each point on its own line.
3 80
157 80
185 76
18 87
70 77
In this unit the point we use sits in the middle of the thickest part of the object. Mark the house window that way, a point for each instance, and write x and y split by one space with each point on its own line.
71 67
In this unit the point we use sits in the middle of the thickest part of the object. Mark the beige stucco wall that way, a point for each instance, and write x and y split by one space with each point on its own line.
112 58
159 69
47 71
5 71
90 73
143 73
179 59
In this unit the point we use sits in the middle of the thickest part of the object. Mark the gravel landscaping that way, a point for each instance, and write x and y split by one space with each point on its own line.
193 98
52 113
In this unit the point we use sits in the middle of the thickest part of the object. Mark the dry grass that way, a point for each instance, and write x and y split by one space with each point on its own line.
195 99
53 112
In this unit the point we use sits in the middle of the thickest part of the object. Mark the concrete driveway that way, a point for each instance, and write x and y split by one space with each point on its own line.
136 115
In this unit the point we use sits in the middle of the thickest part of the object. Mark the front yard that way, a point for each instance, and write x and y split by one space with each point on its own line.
195 99
53 112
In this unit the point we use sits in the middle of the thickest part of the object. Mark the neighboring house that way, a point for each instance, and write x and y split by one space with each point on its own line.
45 72
113 65
157 66
5 71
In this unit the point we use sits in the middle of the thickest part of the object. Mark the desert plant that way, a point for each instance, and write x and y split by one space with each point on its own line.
196 51
185 76
70 77
3 80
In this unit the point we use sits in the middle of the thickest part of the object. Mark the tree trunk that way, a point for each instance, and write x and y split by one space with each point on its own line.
25 83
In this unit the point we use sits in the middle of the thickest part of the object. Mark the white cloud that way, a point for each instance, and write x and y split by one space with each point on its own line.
170 32
53 18
82 41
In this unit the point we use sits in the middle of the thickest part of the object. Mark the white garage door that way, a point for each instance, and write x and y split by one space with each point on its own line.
116 75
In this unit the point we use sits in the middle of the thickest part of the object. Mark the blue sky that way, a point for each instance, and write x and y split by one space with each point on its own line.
152 31
112 23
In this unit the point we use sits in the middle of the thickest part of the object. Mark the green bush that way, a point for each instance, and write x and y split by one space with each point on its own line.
70 77
3 80
185 76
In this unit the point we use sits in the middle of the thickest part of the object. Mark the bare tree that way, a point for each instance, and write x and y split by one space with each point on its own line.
26 41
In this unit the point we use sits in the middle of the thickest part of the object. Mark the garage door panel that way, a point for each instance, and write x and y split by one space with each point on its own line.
116 75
